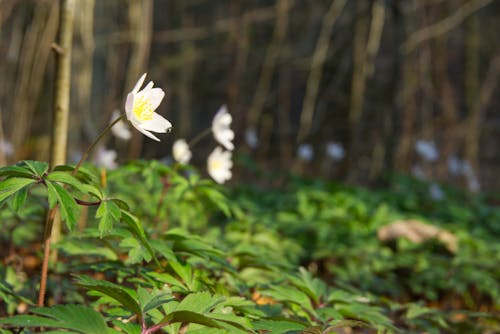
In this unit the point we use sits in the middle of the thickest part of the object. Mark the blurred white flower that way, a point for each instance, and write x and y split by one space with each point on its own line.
427 150
219 165
467 169
335 151
221 128
455 165
473 184
106 158
472 180
418 172
181 151
120 129
6 147
436 192
251 138
305 152
140 107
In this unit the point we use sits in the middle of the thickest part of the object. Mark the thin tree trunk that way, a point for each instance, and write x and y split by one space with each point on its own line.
83 53
318 60
187 71
268 68
407 102
32 64
358 84
140 14
59 124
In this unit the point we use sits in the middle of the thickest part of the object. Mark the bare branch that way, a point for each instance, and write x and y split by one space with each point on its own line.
444 25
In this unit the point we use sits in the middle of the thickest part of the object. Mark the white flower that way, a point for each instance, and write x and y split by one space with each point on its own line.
305 152
106 158
219 165
251 138
6 147
140 107
472 180
221 130
473 184
427 150
436 192
455 165
335 151
467 169
120 129
181 151
418 172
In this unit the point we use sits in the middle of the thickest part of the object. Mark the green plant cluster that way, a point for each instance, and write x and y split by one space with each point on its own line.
152 248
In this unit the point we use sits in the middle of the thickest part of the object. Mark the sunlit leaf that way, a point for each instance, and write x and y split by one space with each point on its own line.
11 185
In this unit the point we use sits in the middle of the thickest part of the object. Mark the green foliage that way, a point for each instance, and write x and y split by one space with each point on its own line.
73 318
185 255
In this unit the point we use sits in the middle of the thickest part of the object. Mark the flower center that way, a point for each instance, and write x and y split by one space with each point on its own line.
216 165
142 109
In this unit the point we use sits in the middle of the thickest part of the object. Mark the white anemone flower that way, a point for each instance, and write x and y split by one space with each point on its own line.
427 150
181 151
106 158
120 130
251 138
335 151
436 192
140 109
418 172
219 165
455 165
6 147
221 130
305 152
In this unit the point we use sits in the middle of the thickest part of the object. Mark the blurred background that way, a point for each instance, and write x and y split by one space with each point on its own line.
341 89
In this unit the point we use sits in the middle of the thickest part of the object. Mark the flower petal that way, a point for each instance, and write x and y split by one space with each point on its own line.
154 96
219 165
139 83
129 105
143 131
157 124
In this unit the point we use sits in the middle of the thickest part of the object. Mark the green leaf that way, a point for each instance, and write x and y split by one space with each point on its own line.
68 207
37 167
279 326
184 271
83 174
12 185
19 199
78 247
76 318
115 291
199 302
16 171
122 204
138 231
64 177
128 327
137 252
190 317
217 198
289 294
67 178
150 300
108 213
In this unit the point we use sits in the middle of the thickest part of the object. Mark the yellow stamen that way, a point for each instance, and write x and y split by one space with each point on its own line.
215 165
143 109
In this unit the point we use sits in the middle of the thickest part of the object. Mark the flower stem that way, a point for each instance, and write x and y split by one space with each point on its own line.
200 136
52 214
91 147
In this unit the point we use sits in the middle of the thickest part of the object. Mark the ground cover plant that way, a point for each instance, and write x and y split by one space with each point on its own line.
186 255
